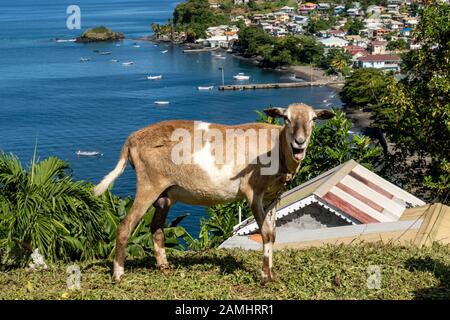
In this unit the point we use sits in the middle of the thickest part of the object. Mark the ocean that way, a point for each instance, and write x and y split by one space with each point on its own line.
49 99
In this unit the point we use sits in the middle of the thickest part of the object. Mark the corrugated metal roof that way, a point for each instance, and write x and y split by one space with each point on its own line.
349 191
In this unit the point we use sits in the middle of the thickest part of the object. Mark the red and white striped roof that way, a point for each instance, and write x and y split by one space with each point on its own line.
350 191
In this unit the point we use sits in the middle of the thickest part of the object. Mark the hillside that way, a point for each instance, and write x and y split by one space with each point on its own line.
334 272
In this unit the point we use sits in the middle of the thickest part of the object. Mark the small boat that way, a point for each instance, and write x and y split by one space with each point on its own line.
220 57
114 60
241 76
136 46
154 77
65 40
205 88
162 102
105 53
117 45
165 51
96 51
85 59
128 63
88 153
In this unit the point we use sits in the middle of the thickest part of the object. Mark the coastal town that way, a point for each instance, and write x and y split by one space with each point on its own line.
368 35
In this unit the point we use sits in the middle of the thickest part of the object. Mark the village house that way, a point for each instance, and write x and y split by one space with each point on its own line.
239 2
380 61
333 42
356 52
353 12
306 7
357 40
339 9
323 6
287 9
377 47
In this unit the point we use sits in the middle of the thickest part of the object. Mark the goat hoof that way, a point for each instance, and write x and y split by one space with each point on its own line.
267 277
165 268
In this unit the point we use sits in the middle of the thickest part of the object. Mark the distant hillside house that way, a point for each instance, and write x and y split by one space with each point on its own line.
377 47
380 61
287 9
307 7
323 6
334 42
347 198
238 2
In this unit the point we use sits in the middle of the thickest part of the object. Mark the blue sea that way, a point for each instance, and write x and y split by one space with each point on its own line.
50 99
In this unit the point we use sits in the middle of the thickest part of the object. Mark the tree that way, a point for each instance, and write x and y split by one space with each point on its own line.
335 61
399 44
353 26
364 87
415 112
252 38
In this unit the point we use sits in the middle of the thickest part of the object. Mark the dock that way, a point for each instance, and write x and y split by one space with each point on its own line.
281 85
199 50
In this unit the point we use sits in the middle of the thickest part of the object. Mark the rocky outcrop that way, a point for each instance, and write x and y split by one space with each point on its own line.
100 34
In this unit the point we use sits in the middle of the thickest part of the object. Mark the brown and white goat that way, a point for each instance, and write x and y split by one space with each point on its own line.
173 164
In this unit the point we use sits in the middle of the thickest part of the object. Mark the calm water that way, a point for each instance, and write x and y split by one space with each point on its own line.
47 95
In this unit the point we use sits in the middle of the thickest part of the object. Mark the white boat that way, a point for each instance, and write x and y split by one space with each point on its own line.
136 46
205 88
154 77
241 76
105 53
114 60
220 57
165 51
88 153
128 63
85 59
65 40
162 102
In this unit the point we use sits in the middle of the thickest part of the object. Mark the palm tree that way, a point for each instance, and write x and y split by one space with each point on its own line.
339 63
42 207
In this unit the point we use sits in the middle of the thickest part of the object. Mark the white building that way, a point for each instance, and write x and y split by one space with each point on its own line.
334 42
380 61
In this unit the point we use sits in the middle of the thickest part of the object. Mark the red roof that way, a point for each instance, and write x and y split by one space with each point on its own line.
379 58
378 42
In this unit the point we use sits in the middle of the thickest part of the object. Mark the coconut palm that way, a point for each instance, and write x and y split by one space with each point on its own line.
339 63
42 207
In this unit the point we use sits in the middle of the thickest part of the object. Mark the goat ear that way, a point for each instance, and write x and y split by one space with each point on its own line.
324 114
275 112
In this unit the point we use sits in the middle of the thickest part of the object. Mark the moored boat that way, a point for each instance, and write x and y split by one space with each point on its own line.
154 77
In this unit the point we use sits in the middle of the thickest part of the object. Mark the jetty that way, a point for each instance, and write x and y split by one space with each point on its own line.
281 85
199 50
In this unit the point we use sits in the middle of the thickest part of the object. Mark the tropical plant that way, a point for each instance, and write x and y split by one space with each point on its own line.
41 207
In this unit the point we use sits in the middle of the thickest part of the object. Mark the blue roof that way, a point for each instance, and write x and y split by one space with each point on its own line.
406 29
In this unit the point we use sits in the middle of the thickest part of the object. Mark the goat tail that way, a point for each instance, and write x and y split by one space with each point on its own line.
118 170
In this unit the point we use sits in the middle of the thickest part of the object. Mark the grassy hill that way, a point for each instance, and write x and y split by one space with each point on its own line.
334 272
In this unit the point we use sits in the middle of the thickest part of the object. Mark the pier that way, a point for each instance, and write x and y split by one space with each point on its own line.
281 85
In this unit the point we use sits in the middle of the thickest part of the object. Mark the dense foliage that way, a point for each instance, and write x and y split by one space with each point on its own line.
415 112
336 61
254 41
195 16
364 87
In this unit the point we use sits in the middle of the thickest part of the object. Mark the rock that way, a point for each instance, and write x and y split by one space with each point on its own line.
100 34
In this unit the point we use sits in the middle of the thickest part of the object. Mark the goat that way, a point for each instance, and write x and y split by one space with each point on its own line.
169 170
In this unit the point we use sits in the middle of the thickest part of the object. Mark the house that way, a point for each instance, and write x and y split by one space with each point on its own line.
301 20
214 4
323 6
406 32
336 33
377 47
380 61
339 9
356 52
348 200
287 9
221 41
380 32
307 7
373 9
333 42
353 12
281 16
238 2
357 40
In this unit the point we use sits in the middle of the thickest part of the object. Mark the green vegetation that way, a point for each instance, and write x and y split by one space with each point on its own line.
333 272
195 16
336 61
415 111
364 87
353 26
399 44
100 34
275 52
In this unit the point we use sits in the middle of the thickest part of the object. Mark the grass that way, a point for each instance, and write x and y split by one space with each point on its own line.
333 272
